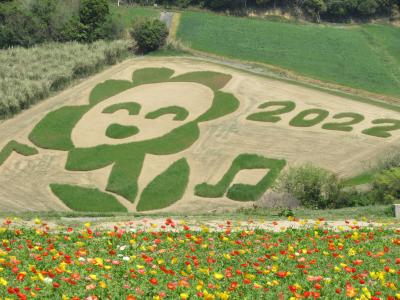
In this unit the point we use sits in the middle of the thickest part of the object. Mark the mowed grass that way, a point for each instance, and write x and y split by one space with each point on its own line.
243 192
130 13
364 57
17 147
86 199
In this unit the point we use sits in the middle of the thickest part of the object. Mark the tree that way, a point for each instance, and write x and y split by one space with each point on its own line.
341 8
312 186
93 14
45 10
315 7
18 26
150 35
367 7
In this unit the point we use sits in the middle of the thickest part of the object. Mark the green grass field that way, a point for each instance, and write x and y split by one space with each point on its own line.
17 147
128 14
364 57
86 199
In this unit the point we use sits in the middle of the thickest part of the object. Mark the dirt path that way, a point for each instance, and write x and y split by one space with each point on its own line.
24 180
212 225
167 17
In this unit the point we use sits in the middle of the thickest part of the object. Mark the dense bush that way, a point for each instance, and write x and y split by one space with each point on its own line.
386 186
28 22
149 35
312 186
29 75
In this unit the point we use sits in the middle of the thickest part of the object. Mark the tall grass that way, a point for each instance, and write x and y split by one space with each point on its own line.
30 75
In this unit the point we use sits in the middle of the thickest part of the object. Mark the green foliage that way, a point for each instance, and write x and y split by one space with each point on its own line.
86 199
17 147
93 12
312 186
388 161
367 7
355 198
303 119
363 57
364 178
30 75
117 131
243 192
333 10
26 23
179 112
19 26
387 186
315 7
166 188
150 35
96 22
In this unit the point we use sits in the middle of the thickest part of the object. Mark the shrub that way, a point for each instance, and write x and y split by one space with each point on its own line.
18 26
389 161
386 185
312 186
149 35
367 7
315 7
60 82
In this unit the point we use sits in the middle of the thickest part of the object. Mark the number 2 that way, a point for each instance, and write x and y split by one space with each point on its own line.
272 116
382 131
344 126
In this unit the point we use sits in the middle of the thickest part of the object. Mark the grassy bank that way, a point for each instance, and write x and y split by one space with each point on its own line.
364 57
128 14
30 75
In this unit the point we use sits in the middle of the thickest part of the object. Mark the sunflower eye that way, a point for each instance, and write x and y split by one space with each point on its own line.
180 113
133 108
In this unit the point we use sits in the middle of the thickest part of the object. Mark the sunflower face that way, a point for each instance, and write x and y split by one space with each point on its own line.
142 113
124 121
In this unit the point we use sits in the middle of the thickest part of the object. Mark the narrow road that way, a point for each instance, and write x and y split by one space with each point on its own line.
167 18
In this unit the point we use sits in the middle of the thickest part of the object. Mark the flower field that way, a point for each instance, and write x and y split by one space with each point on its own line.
174 261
